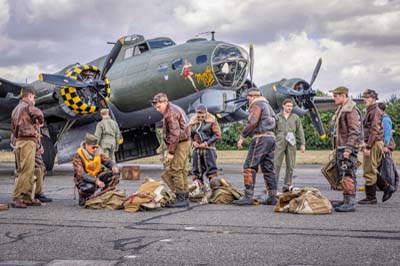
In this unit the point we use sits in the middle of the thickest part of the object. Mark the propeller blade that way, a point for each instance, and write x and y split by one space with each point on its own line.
111 57
316 119
251 64
316 71
61 80
299 111
288 91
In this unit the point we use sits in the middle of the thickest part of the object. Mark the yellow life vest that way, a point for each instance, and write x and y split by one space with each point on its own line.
92 167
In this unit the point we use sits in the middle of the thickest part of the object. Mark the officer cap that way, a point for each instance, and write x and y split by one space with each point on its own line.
253 92
340 90
91 139
370 93
159 98
201 109
104 112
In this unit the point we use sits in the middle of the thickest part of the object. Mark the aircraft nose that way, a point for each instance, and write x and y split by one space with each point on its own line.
230 65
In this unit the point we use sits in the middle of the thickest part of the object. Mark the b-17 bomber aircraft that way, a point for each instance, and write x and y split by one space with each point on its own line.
199 71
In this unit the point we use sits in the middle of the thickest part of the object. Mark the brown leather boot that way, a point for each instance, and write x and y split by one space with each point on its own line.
18 203
370 192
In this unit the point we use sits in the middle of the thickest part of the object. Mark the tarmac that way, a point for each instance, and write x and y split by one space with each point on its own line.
62 233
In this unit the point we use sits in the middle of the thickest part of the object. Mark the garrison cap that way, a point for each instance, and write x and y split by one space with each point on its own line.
253 92
201 109
159 98
370 93
91 139
104 112
340 90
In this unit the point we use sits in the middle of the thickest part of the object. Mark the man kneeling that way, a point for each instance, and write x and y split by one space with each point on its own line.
88 171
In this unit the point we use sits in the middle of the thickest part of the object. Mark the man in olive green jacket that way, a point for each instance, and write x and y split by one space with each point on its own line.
108 134
288 129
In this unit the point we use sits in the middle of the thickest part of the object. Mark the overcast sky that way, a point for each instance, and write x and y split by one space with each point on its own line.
359 41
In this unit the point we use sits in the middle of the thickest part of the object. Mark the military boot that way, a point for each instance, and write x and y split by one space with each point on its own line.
247 199
182 201
348 205
243 201
387 193
370 192
271 200
336 203
82 201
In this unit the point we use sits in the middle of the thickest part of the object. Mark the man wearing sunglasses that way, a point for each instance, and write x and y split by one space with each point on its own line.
176 139
87 163
205 132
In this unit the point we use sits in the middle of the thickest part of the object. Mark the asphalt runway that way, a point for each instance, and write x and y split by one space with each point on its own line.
61 233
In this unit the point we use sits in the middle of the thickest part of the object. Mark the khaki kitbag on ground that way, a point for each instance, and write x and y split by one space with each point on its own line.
303 201
150 195
225 193
4 207
109 200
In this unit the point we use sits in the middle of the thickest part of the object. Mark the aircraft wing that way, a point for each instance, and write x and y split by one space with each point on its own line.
8 87
9 98
327 103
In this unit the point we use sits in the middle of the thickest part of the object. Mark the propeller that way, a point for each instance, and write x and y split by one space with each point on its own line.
316 119
111 57
316 71
288 91
97 83
251 52
305 97
61 80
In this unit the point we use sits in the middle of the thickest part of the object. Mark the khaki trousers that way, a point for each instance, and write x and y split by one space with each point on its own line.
110 153
39 173
175 173
372 162
25 157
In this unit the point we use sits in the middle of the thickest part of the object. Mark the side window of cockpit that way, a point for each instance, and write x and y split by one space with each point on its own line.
177 63
136 51
128 53
201 59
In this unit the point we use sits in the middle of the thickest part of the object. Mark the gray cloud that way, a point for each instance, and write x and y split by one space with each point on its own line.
357 39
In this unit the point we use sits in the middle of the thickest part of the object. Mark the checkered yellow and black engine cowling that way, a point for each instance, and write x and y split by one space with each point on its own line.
71 97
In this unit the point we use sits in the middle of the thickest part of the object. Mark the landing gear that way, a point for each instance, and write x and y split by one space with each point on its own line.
49 154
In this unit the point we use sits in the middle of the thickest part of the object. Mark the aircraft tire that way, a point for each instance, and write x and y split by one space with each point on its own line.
49 154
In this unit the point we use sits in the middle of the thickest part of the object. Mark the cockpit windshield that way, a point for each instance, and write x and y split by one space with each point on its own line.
230 65
161 43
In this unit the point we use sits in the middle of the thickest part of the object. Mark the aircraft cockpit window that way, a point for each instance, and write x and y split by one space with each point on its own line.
140 49
161 43
137 51
128 53
176 64
230 65
201 59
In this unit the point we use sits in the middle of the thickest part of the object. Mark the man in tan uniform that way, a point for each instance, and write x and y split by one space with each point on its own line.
176 138
26 119
373 150
107 132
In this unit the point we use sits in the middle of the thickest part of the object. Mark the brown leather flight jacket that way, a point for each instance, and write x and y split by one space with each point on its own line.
175 127
373 128
347 127
23 119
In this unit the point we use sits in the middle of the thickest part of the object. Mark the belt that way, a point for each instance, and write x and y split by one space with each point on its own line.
266 134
